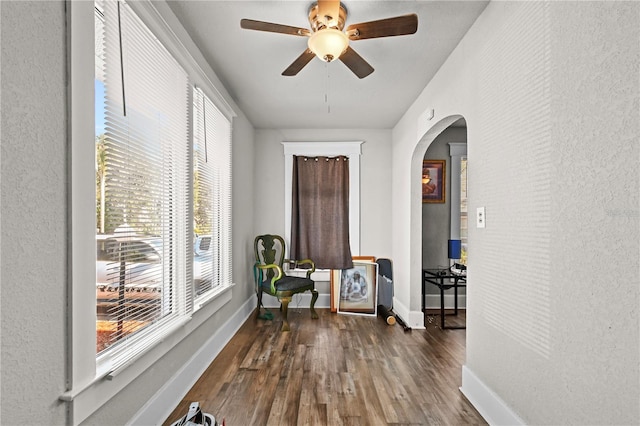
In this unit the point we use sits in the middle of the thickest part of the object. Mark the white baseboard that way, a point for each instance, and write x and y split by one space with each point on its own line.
432 301
490 406
412 318
160 406
416 320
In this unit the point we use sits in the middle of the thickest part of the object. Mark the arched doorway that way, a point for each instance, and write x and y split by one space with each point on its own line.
439 208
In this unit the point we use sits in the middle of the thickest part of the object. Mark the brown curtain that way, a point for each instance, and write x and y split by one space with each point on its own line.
320 211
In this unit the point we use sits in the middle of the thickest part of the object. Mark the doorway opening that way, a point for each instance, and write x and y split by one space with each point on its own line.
443 213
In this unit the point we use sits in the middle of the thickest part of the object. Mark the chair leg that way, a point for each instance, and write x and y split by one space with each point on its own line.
314 297
285 309
259 295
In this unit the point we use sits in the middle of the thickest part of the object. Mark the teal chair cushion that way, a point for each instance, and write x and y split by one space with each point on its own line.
288 283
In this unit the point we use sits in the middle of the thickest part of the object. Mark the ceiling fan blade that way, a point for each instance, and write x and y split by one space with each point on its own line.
250 24
355 63
329 9
299 63
400 25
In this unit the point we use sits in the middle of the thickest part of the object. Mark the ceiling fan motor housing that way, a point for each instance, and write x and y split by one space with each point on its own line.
318 22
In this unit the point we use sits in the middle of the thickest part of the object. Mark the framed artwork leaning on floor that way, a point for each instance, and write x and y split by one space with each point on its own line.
358 289
334 285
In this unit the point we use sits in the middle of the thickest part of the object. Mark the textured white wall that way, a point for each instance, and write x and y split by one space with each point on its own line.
550 92
33 222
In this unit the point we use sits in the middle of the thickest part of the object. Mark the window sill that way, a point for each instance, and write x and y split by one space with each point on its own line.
216 295
91 395
318 274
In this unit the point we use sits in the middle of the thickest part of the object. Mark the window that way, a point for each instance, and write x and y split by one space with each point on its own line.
211 196
142 186
349 149
464 232
320 211
458 153
147 278
131 194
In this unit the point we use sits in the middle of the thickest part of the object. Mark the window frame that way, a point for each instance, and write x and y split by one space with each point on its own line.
221 205
175 304
351 149
87 388
457 151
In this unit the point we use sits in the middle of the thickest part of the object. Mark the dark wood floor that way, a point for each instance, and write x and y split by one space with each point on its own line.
337 370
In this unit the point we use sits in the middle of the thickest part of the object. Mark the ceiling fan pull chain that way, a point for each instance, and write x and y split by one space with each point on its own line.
328 87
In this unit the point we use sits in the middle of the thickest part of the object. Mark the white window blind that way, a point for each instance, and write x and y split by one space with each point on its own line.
143 162
211 196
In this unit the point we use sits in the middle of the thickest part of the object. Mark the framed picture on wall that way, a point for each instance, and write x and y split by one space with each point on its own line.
433 181
334 285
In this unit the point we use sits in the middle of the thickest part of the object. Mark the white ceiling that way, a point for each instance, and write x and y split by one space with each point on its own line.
250 63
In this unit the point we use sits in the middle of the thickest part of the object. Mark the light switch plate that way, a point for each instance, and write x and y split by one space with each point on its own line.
480 217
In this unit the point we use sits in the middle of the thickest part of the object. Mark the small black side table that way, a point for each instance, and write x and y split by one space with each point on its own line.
442 278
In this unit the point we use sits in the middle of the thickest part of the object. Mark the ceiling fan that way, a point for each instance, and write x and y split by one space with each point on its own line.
328 42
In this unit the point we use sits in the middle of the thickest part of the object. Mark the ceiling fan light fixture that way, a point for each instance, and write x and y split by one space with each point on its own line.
328 44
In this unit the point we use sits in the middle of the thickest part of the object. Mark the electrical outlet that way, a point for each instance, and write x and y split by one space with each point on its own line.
480 217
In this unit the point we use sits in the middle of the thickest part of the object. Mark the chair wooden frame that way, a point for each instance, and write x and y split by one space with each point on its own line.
271 278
